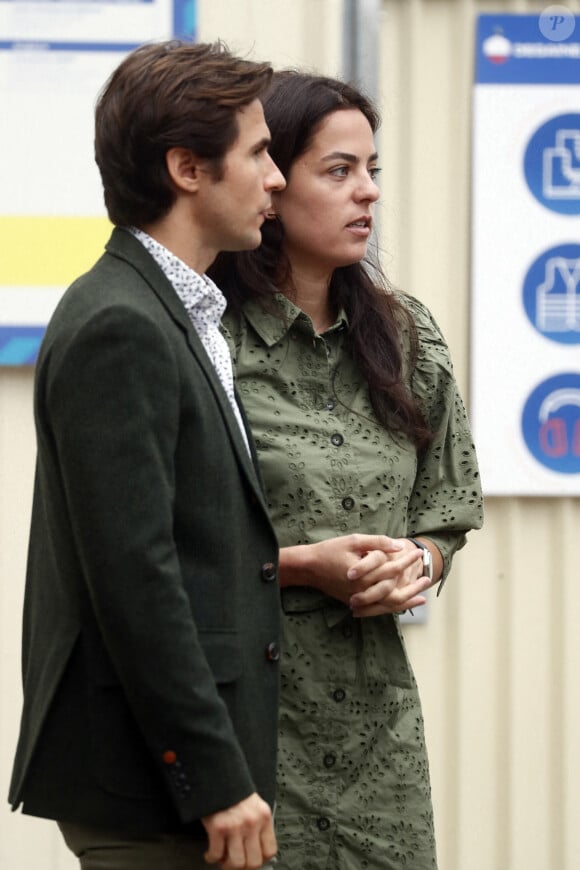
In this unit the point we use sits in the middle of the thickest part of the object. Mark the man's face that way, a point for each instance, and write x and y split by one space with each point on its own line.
234 208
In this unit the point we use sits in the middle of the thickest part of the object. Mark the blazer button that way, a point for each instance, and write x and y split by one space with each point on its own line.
272 652
268 572
169 757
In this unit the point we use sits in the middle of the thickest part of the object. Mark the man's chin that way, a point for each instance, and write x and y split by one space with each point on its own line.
249 244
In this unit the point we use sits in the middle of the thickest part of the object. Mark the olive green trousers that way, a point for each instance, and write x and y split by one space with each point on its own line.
97 849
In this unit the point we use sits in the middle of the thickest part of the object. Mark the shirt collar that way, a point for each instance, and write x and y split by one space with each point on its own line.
194 290
272 328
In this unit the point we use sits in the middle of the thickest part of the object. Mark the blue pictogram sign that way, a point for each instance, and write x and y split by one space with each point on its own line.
551 423
551 294
552 164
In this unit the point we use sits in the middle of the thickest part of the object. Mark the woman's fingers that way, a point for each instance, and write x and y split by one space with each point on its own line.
382 609
390 593
378 566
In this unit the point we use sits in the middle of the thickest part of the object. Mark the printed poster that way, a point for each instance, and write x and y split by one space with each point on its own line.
525 330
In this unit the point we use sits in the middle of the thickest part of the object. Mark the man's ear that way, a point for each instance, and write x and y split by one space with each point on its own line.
184 168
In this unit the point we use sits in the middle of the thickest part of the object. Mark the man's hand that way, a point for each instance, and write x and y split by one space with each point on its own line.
242 836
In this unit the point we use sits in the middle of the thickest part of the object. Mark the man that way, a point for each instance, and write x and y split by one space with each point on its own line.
151 609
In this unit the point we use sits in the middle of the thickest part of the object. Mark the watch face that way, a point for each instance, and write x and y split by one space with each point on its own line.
427 564
427 558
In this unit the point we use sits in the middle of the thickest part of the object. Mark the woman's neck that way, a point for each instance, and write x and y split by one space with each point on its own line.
312 295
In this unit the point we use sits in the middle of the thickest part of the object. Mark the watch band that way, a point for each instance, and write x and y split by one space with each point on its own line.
427 558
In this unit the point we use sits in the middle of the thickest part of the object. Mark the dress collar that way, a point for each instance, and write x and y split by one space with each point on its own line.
272 327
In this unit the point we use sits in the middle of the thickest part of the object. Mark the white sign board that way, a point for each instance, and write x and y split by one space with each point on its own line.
525 395
55 56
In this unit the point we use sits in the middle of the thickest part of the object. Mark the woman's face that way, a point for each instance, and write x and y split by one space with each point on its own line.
327 206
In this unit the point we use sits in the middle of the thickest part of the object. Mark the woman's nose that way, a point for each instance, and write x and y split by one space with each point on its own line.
368 189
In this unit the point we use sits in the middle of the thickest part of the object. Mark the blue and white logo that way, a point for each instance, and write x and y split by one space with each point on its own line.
552 294
552 164
551 423
557 23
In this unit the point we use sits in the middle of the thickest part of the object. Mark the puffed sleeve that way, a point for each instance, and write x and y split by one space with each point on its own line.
446 501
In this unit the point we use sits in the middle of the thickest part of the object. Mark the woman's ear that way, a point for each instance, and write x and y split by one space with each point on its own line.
184 168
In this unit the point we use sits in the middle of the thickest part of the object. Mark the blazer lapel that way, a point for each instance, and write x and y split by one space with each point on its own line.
124 245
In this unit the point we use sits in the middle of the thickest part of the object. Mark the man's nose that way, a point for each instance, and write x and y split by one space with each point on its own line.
274 178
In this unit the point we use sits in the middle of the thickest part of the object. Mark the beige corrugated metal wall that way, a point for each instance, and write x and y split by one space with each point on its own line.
498 660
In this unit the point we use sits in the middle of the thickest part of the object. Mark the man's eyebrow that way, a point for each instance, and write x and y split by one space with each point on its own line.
265 142
349 158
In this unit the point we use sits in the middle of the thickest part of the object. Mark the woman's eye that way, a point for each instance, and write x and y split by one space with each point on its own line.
374 172
340 171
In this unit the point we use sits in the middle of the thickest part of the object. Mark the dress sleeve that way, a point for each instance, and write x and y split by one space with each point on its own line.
446 501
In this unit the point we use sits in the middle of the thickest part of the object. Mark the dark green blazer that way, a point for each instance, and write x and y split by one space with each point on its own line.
151 609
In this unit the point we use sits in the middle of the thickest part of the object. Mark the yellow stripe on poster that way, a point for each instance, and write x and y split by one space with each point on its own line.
49 251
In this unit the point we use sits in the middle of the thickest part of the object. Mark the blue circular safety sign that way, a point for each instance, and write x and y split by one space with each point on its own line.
552 164
551 294
551 423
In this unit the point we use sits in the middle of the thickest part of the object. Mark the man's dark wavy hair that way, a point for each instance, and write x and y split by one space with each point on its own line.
166 95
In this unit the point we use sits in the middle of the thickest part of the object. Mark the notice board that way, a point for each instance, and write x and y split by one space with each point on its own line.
525 322
55 56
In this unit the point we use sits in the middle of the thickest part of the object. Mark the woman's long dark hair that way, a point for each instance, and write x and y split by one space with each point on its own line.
294 107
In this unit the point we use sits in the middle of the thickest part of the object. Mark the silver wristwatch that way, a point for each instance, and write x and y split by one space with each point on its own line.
427 558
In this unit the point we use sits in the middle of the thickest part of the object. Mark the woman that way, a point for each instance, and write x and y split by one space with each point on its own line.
363 443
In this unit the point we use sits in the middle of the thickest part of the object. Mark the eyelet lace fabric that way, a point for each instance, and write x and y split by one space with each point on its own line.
353 779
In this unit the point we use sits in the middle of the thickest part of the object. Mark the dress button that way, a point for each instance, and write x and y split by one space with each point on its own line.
273 652
348 503
339 695
268 572
337 439
323 823
331 404
329 759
